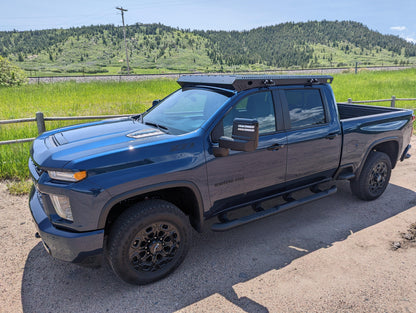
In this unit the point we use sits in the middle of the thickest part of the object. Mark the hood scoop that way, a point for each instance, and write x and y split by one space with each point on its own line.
144 133
57 140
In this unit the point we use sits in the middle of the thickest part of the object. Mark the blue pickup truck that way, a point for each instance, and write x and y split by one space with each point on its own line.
129 190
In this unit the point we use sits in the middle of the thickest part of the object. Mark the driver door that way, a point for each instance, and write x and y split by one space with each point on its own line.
242 176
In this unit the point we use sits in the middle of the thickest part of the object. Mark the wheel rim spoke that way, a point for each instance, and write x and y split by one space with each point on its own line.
378 178
154 247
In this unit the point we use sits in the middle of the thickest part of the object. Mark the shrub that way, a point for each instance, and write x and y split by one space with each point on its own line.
11 75
123 70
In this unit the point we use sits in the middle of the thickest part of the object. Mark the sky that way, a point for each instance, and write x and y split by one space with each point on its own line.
396 17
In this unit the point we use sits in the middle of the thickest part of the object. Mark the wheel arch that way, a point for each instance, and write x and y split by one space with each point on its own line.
389 146
185 195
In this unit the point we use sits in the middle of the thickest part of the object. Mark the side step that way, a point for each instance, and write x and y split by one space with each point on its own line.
346 176
227 224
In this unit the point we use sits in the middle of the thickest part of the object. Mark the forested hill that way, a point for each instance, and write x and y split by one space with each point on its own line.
295 43
158 47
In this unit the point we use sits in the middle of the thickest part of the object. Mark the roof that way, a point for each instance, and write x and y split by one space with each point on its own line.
242 82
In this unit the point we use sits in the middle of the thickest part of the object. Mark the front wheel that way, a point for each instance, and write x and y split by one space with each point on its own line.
148 241
374 177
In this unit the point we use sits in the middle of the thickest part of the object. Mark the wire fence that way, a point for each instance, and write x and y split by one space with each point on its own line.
40 118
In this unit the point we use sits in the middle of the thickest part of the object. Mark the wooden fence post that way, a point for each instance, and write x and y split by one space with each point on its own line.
349 100
393 101
40 121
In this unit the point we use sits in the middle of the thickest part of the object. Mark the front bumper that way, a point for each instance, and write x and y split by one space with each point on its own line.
85 247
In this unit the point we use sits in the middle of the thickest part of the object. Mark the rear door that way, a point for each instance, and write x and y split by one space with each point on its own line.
313 134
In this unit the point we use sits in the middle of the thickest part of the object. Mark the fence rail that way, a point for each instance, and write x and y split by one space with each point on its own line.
392 101
40 118
40 122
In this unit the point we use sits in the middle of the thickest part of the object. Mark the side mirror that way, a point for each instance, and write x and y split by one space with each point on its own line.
245 136
155 102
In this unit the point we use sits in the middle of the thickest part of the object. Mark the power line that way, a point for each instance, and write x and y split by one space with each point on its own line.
125 41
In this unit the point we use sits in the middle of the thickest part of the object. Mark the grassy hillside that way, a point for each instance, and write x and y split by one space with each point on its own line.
155 48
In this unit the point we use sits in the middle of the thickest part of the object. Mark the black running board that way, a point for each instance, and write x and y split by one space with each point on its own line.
226 225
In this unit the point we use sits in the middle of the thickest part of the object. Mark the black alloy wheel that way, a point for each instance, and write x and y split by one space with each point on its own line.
377 178
374 177
148 241
154 247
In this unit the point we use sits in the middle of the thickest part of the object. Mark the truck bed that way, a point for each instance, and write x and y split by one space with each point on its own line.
347 111
365 125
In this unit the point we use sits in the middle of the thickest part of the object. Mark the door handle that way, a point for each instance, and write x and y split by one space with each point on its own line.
331 136
275 147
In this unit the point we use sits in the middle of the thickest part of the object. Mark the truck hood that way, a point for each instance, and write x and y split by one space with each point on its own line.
56 149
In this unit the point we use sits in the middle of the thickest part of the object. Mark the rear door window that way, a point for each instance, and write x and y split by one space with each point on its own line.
305 107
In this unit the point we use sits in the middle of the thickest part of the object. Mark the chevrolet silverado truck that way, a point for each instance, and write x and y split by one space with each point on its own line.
130 190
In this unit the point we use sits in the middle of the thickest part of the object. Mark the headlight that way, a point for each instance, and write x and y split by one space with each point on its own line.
68 176
62 206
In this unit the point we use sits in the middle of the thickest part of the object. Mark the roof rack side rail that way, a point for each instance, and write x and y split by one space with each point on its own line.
241 82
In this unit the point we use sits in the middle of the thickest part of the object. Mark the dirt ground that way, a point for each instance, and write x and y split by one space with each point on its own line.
338 254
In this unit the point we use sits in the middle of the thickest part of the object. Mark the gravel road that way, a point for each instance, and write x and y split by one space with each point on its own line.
333 255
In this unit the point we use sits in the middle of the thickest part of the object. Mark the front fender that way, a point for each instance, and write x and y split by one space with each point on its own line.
196 215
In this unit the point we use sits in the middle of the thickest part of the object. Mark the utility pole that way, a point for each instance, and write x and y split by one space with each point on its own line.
124 32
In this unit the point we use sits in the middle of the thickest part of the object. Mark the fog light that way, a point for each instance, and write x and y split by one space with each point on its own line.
62 206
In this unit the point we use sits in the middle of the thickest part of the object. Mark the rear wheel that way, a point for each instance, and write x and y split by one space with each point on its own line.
148 241
374 177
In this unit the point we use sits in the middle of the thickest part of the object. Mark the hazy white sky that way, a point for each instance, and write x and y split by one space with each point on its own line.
388 17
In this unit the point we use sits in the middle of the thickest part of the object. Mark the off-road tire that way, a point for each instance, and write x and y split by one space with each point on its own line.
374 177
148 241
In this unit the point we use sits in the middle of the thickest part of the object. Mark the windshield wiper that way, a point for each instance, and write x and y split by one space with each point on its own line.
137 117
158 126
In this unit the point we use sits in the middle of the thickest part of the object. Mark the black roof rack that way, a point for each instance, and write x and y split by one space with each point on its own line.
243 82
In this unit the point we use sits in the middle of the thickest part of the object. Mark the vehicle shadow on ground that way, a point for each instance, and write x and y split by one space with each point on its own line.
215 263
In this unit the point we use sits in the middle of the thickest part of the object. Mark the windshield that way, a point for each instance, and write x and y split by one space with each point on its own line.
185 110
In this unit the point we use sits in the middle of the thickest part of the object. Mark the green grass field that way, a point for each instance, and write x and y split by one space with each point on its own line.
372 85
66 99
101 98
